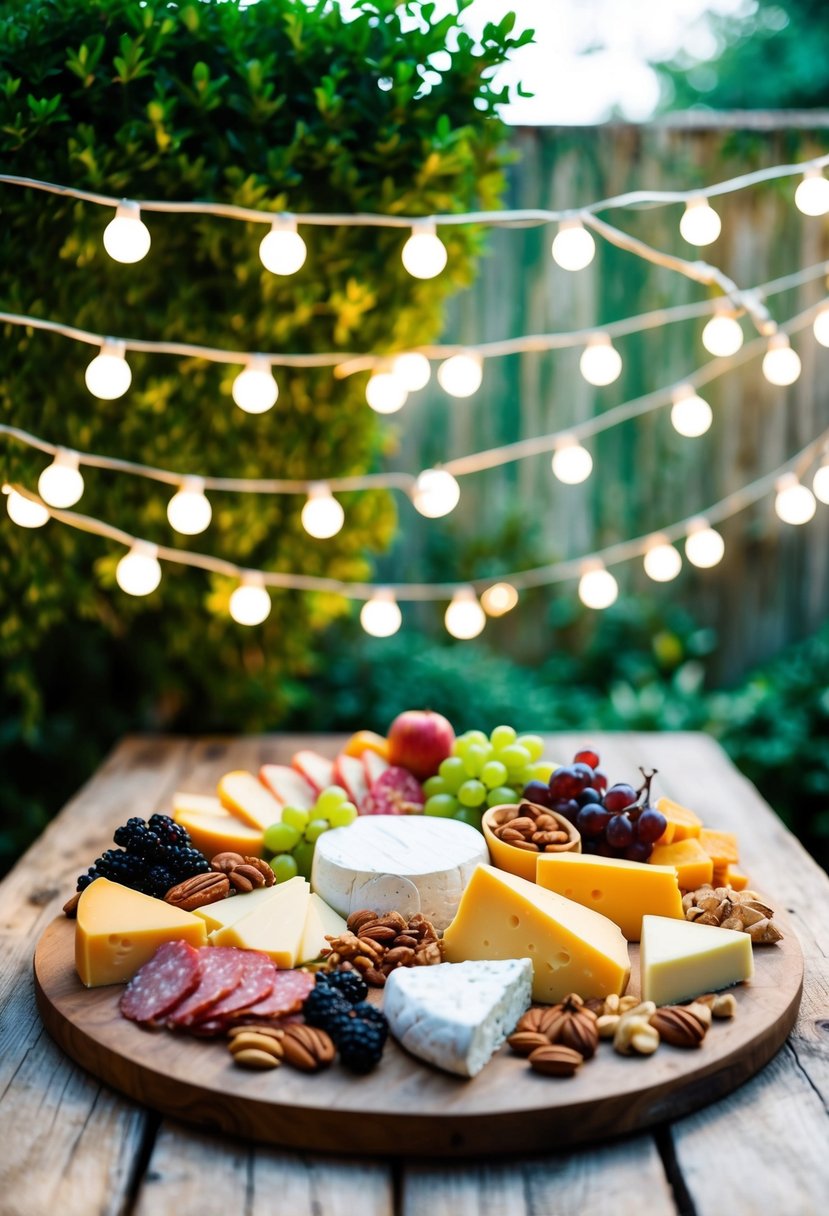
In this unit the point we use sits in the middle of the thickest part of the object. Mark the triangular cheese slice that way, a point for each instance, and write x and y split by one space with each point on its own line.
118 930
243 795
226 912
319 921
680 959
275 927
217 831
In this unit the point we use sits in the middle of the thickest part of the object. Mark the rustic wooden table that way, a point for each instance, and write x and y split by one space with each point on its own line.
70 1145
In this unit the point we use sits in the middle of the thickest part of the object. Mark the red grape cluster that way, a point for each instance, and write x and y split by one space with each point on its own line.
614 822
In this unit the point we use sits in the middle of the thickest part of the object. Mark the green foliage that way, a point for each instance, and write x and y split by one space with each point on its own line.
275 106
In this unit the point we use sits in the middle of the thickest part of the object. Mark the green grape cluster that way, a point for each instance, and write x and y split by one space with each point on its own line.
294 838
484 771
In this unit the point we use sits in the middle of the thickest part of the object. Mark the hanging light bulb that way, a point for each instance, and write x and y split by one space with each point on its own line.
820 326
812 195
127 237
573 247
597 586
600 361
691 415
189 511
412 369
781 364
23 511
385 392
703 546
138 572
381 616
820 483
662 561
254 389
322 515
283 250
108 376
722 335
795 504
250 603
436 493
499 599
61 484
465 618
424 254
572 463
700 224
461 375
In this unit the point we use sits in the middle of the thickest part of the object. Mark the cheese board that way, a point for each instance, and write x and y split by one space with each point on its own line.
405 1107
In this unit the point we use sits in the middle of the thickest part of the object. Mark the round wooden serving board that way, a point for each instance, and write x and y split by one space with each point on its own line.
405 1107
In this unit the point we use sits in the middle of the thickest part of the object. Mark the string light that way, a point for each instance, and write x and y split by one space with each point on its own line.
283 250
108 376
704 547
794 503
138 572
499 599
385 392
23 511
424 254
600 362
820 483
189 511
573 246
812 195
127 237
700 224
465 618
412 369
722 335
381 616
662 561
597 586
781 364
820 326
322 515
61 483
461 375
255 390
572 463
250 603
691 416
435 493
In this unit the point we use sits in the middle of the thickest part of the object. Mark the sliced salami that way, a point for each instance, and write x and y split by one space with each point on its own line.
258 975
167 979
290 989
221 973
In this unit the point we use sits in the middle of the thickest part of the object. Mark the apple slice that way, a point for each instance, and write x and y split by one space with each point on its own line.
287 786
350 773
374 765
316 769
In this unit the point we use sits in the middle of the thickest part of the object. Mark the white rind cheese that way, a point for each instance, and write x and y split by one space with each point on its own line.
456 1015
398 863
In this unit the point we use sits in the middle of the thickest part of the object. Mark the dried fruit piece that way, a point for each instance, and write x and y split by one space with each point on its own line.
395 792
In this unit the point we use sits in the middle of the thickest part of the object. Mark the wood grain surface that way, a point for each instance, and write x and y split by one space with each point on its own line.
74 1146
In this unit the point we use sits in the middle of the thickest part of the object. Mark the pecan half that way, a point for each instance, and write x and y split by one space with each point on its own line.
524 1042
555 1060
244 873
678 1026
307 1048
197 891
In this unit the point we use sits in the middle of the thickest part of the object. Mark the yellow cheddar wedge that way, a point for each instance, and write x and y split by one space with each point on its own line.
694 868
275 927
243 795
682 823
681 959
721 847
226 912
217 831
624 891
319 920
118 930
736 879
572 949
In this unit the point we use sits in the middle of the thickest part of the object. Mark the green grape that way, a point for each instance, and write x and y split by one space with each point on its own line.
543 770
442 805
281 838
295 817
522 777
475 758
284 867
502 795
472 793
343 815
304 858
329 800
315 829
471 738
534 745
470 815
514 757
434 785
453 773
501 737
493 773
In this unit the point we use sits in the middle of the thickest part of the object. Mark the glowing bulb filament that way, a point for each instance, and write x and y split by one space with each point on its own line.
465 618
61 484
254 390
127 237
283 250
322 515
108 376
380 616
424 254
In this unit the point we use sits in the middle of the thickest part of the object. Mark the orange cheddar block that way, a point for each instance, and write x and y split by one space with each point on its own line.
682 823
694 868
244 796
721 847
736 879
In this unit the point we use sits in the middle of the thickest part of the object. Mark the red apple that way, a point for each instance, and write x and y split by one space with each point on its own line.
419 740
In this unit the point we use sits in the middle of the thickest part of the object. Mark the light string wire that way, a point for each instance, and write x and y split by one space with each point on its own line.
521 580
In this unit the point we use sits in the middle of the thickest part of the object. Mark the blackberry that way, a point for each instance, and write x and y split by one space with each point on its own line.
323 1006
85 879
136 837
349 983
158 881
373 1016
169 832
184 862
360 1045
120 866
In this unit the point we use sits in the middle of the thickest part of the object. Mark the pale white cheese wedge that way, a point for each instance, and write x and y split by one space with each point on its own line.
680 959
398 863
456 1015
319 921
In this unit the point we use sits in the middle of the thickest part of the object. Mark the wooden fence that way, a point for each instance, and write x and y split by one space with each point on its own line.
773 585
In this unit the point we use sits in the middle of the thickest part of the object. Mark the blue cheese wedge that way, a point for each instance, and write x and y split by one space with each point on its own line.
456 1015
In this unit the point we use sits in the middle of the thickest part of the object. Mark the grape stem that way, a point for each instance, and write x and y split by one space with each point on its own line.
644 790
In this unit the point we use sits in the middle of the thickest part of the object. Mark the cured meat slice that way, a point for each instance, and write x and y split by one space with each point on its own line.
290 989
221 973
168 978
258 975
